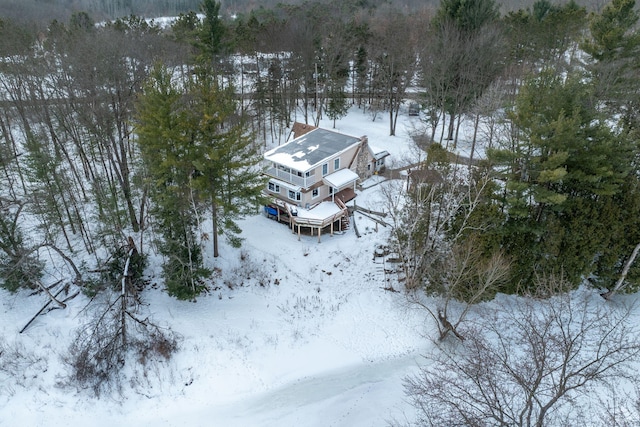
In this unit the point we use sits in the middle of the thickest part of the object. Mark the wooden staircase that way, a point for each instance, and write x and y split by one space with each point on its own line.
344 220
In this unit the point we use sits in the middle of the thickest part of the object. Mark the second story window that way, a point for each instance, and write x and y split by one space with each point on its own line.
336 164
325 169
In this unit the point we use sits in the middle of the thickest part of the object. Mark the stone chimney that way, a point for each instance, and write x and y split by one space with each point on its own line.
363 159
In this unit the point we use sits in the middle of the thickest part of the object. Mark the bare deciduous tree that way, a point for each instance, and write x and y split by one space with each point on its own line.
528 362
431 218
394 44
434 239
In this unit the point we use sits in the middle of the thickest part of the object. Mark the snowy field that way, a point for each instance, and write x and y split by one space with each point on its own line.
310 338
307 334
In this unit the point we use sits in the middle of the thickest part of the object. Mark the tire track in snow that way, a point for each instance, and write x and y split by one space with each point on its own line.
336 394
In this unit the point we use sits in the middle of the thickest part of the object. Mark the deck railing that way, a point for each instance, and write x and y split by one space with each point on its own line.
300 181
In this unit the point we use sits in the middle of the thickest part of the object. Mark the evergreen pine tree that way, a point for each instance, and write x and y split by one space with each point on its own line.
564 166
168 150
196 156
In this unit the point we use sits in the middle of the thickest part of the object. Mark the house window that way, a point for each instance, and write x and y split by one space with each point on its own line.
369 167
274 187
325 169
336 164
330 190
294 195
315 193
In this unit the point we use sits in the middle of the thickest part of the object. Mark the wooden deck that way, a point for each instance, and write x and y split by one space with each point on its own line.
323 217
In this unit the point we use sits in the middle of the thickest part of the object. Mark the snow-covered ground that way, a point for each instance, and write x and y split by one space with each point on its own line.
292 333
319 343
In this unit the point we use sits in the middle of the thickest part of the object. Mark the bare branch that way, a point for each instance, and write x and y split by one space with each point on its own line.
526 360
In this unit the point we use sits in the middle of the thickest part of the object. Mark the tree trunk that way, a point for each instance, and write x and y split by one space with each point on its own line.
473 142
435 119
623 276
444 123
455 140
452 120
447 327
214 220
392 130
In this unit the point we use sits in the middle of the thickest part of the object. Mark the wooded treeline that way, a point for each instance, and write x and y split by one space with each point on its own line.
43 11
557 194
133 129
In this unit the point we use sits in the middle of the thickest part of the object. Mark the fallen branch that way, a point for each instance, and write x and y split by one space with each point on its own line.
355 227
48 288
379 221
68 260
53 298
369 211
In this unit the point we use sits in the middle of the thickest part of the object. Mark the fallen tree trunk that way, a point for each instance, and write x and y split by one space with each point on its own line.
379 221
53 298
369 211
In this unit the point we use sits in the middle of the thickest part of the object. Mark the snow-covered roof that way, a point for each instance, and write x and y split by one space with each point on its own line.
377 153
285 184
341 178
380 155
311 149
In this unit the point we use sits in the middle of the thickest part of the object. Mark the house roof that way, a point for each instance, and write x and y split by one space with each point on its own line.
285 184
311 149
377 153
380 154
341 178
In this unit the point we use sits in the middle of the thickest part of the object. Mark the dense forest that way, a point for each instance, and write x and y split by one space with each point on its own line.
123 137
43 11
98 145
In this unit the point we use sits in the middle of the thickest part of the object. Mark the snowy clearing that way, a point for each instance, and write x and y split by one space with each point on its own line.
307 336
293 333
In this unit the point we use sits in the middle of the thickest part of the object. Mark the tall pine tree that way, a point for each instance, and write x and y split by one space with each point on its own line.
563 167
196 155
168 150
